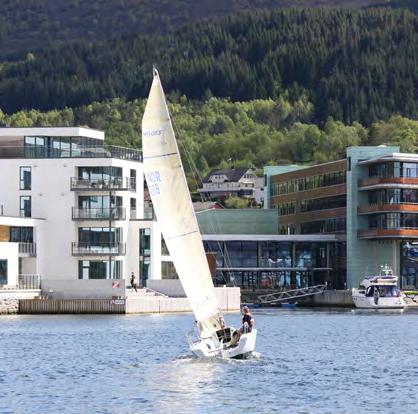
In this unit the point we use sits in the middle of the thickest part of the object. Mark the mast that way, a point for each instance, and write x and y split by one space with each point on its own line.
174 210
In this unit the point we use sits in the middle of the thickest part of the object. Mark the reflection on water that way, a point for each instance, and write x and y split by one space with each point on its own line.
310 361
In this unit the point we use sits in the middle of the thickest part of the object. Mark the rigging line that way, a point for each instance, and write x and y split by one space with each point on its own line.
160 156
198 179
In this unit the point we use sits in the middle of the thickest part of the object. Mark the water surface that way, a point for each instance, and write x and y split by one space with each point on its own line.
311 361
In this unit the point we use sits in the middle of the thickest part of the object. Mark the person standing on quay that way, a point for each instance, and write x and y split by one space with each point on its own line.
133 282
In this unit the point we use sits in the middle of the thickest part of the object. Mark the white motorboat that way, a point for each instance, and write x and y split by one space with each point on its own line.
379 291
175 214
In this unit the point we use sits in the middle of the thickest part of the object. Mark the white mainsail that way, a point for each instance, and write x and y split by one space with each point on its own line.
174 210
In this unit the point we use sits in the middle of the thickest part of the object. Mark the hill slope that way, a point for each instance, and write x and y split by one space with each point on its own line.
30 24
352 64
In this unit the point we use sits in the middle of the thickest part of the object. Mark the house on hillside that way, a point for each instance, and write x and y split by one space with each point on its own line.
235 182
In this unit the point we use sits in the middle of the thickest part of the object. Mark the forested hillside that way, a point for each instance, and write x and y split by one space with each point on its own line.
27 25
352 65
221 133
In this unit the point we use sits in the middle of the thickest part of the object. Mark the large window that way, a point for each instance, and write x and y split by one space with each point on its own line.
324 203
25 178
241 253
98 236
25 206
275 254
100 174
394 169
99 269
324 226
309 183
168 271
21 234
3 272
99 202
144 255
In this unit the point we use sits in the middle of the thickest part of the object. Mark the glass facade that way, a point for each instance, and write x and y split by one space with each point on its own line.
394 169
99 269
336 225
25 178
409 265
393 221
308 183
278 264
393 196
324 203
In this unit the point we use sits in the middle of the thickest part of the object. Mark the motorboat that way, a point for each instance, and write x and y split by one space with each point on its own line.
379 291
174 210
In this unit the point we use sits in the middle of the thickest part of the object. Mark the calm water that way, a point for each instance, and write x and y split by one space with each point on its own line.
310 362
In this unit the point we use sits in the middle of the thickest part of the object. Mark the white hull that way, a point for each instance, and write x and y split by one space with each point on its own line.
209 348
362 301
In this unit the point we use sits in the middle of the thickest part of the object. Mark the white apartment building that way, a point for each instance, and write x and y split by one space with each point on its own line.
72 211
235 182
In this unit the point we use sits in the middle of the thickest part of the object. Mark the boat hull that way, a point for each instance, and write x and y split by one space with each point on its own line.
207 348
365 302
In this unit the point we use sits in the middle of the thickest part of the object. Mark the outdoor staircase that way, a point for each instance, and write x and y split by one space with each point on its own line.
290 295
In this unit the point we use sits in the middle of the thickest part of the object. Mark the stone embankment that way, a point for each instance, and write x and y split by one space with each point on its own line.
9 306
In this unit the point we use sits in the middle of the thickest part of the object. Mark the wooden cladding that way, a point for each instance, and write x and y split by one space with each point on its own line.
388 208
388 233
4 234
379 181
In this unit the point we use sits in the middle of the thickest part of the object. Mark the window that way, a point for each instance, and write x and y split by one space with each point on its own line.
3 272
97 236
133 180
25 178
164 249
168 271
25 207
21 235
133 203
99 269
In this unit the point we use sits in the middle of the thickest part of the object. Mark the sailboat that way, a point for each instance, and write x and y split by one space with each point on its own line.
174 211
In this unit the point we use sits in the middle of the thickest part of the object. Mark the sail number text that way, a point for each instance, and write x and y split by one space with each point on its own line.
153 179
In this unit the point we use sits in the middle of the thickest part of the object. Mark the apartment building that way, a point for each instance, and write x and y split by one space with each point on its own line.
80 209
367 200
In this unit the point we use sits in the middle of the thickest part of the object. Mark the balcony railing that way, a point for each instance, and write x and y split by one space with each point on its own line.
388 233
29 281
28 249
148 214
108 151
114 183
99 249
387 208
114 213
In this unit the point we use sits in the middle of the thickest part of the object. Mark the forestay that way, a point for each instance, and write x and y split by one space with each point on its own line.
174 210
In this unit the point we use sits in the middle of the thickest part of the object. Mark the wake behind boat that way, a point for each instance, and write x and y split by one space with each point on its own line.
174 210
379 291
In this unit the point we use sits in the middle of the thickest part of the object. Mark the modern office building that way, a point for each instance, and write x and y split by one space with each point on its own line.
75 212
368 201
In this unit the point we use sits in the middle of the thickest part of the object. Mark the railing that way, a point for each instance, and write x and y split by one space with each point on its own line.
29 281
148 214
102 249
27 248
108 151
114 213
114 183
387 207
286 295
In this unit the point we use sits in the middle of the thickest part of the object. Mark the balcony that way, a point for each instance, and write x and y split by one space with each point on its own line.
110 184
98 249
108 151
27 249
388 208
387 182
147 215
399 233
114 213
29 282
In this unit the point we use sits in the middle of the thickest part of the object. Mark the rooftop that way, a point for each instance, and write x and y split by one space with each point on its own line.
52 132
